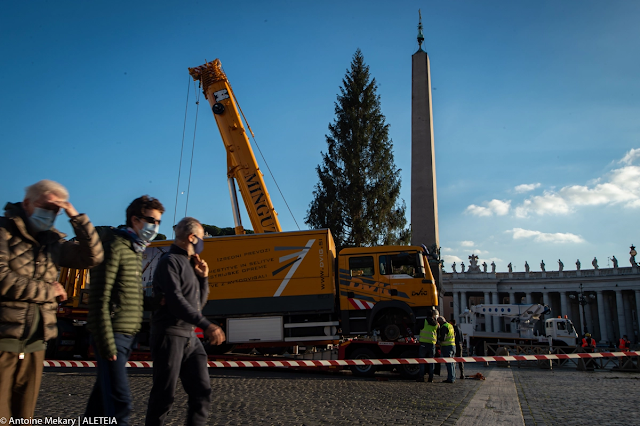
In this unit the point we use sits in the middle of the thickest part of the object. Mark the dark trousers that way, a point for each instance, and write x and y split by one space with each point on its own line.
426 350
19 384
111 396
184 357
460 364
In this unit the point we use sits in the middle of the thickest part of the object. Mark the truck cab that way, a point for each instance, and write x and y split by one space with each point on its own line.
385 290
561 330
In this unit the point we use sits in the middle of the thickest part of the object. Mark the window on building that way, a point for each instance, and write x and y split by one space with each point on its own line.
451 304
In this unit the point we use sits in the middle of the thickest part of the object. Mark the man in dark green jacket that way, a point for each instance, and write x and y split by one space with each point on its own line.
116 305
31 250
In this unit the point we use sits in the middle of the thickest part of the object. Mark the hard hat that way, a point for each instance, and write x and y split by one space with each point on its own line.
587 335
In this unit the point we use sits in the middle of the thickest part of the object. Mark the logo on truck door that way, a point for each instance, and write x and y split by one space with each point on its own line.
297 260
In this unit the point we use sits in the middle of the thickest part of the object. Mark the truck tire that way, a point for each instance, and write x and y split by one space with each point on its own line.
391 333
409 371
363 370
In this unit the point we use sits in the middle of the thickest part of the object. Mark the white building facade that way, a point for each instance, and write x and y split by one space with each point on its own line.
603 302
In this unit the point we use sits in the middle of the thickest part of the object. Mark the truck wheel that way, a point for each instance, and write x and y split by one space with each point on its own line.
363 370
391 332
409 371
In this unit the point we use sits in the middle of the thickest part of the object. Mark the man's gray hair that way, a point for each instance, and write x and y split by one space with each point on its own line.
45 187
186 227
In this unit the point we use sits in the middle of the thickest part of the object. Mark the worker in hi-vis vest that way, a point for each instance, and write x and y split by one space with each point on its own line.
624 344
428 338
448 347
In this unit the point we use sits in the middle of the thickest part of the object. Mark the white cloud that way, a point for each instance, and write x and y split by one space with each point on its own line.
548 203
446 249
493 207
448 259
620 186
543 237
526 187
630 156
467 243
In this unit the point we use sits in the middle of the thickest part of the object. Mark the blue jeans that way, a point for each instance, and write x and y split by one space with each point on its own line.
449 351
111 396
427 350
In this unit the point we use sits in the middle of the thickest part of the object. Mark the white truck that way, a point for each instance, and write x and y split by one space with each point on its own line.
522 319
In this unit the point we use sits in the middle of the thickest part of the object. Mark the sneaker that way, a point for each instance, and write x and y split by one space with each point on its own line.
430 380
447 381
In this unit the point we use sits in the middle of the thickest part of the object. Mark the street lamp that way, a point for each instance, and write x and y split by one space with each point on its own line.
583 300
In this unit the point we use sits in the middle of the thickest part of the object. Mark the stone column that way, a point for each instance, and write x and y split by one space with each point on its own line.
628 309
529 297
496 319
463 301
622 325
563 305
456 307
587 312
512 297
608 303
637 308
546 300
487 318
602 319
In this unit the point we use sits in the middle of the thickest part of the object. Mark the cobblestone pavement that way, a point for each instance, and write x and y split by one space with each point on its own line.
271 397
277 397
569 397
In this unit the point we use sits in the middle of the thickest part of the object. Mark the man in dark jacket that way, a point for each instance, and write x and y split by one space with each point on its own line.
116 305
459 341
31 250
180 289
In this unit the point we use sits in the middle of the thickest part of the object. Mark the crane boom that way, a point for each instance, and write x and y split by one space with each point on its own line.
241 161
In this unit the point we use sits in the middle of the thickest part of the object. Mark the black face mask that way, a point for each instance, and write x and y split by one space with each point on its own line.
198 246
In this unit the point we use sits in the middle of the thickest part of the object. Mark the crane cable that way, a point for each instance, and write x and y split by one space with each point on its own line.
193 147
264 159
184 127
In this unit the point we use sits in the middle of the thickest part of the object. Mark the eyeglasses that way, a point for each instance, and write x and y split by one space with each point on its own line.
150 219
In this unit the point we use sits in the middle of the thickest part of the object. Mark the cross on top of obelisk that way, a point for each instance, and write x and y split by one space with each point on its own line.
420 35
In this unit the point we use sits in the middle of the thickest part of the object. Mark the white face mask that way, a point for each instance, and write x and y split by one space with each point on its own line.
42 219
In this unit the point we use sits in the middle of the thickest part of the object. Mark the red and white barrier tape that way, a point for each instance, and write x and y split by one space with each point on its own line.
349 362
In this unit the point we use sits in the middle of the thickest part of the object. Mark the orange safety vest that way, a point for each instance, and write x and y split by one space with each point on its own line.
623 344
592 342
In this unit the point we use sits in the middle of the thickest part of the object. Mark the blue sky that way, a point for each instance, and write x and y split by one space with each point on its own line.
535 110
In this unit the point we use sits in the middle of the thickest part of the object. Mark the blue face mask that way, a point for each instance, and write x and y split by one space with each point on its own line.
148 231
199 246
42 219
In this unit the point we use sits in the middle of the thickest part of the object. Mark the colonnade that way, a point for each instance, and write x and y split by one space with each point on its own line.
604 306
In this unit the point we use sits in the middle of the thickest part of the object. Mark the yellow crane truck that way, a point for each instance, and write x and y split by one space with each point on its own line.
275 288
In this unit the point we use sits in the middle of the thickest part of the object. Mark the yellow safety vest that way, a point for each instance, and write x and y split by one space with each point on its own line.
428 333
450 338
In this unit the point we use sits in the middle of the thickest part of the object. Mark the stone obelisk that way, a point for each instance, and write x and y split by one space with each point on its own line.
424 198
